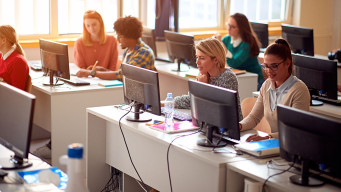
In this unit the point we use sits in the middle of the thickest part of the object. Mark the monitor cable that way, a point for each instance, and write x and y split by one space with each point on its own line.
283 171
125 142
170 144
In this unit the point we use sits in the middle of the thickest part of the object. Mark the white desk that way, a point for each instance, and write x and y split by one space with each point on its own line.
257 170
193 168
61 110
177 82
12 176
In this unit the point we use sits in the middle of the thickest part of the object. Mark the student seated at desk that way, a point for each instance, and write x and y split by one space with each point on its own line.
95 46
14 69
242 46
281 87
129 32
210 54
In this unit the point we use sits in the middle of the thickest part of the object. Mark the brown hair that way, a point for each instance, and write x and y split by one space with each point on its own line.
214 49
92 14
8 32
129 27
247 34
281 49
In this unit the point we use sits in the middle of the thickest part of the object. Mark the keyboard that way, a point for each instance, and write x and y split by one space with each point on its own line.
35 65
75 81
327 100
179 115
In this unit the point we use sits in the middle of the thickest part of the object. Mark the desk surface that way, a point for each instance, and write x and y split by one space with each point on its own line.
257 170
13 177
193 168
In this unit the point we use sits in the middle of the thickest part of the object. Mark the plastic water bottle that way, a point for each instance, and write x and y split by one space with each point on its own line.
74 162
169 110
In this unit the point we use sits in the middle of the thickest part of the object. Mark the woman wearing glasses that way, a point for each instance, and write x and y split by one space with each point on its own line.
242 46
281 87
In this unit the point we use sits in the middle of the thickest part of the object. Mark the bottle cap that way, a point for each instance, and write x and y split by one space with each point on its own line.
75 150
169 95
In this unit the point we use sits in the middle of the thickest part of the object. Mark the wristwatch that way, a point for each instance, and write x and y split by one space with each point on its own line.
93 73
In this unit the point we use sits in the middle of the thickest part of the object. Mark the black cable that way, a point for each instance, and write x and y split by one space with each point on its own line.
124 139
263 187
170 144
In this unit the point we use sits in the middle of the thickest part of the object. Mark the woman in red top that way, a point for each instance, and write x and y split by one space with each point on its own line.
95 44
14 69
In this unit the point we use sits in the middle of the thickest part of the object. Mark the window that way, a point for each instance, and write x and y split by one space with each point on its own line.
70 14
261 10
198 14
28 17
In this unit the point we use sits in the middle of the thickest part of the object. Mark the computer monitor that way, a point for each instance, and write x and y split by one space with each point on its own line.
320 76
214 109
301 39
148 36
16 117
180 47
55 60
141 85
312 140
261 30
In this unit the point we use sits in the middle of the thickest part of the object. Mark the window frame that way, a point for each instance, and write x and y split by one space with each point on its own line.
223 15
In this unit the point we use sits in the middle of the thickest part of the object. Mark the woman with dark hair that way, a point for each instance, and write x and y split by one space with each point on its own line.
95 46
14 69
136 52
242 46
281 87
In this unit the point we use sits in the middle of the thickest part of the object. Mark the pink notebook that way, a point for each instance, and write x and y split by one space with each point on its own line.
180 126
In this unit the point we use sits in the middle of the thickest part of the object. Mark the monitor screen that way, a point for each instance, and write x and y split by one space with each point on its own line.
309 139
141 86
16 116
319 75
54 59
217 113
301 39
182 48
261 30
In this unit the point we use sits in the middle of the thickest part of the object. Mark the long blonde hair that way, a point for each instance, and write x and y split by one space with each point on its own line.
92 14
214 49
8 32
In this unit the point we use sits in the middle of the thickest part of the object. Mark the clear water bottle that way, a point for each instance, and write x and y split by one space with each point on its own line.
74 162
169 110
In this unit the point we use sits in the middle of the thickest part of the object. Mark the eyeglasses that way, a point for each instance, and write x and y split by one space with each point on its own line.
272 66
231 26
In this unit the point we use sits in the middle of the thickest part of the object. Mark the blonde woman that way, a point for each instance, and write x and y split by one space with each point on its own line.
211 61
14 69
95 45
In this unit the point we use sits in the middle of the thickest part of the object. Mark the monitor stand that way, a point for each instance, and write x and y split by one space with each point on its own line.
52 80
304 178
181 66
211 141
14 163
137 117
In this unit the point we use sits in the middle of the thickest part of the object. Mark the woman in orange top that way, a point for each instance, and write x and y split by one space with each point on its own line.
95 44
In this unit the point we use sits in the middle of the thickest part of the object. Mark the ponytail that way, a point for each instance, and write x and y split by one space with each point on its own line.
280 48
19 49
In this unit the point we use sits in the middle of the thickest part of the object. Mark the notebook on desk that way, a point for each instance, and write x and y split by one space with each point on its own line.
261 149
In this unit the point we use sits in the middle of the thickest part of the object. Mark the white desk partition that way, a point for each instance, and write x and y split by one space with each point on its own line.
62 110
177 82
193 168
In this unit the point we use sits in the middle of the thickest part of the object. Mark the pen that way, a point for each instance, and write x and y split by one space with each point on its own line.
93 67
155 123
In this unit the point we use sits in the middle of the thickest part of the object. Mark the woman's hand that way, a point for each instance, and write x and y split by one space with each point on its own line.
217 36
202 78
83 73
256 137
